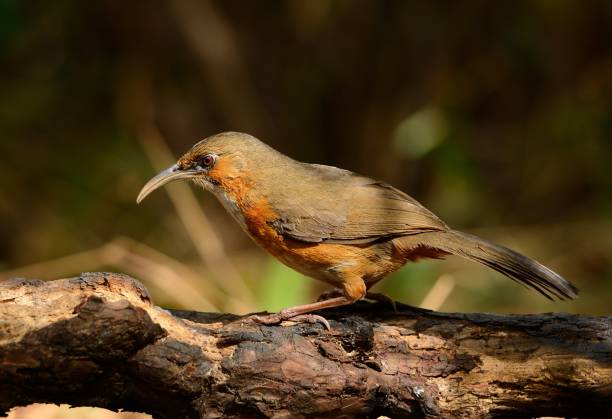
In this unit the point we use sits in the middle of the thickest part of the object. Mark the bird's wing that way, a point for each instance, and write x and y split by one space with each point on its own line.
349 208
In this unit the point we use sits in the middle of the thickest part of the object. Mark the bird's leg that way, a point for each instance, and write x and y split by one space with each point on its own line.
374 296
353 289
301 313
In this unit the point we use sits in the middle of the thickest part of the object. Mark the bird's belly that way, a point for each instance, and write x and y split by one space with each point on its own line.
333 262
329 262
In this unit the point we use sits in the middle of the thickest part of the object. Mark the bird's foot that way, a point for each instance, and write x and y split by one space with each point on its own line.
302 313
278 318
373 296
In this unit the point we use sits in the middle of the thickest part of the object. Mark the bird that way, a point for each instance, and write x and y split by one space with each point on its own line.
334 225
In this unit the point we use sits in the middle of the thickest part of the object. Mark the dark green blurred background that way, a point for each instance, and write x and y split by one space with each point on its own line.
495 115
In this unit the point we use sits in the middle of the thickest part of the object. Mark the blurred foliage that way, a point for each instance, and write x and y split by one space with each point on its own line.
280 287
496 115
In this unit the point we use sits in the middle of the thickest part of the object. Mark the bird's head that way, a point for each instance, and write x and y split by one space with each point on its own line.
216 162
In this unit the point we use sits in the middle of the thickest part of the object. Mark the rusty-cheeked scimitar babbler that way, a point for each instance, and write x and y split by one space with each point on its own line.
335 225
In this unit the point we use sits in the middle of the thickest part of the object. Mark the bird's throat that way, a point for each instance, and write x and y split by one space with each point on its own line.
231 206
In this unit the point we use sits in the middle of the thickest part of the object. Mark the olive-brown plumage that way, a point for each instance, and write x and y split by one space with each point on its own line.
334 225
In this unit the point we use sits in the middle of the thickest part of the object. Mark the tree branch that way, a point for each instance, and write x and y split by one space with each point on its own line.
97 340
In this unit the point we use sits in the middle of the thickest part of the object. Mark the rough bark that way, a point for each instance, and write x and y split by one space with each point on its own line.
97 340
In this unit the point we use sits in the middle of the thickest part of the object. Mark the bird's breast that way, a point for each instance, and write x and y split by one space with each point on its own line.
329 262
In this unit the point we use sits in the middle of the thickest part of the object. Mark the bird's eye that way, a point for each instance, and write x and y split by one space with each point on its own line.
207 161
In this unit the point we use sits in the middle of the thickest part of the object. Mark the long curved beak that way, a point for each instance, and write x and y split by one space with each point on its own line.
166 176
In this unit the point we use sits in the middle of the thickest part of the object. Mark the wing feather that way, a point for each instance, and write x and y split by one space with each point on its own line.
349 208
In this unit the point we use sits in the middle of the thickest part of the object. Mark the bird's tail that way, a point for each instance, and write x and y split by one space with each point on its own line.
506 261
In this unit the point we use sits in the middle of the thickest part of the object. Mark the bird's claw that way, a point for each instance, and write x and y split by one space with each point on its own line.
268 320
277 318
311 318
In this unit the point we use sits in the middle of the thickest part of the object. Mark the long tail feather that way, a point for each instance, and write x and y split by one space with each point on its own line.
506 261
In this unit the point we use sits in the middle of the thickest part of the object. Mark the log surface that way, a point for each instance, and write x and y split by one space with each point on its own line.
97 340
